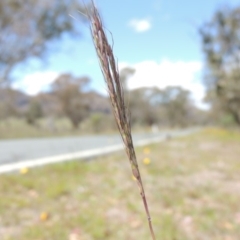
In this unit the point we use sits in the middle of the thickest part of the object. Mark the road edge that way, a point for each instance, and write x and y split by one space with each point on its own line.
82 154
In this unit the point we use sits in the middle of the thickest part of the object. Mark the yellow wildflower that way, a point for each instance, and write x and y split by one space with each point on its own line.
44 216
146 161
24 170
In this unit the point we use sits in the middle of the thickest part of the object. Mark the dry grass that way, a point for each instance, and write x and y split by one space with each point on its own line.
192 184
111 75
15 128
18 128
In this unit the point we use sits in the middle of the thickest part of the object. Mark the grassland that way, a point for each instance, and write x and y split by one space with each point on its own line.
18 128
192 184
13 128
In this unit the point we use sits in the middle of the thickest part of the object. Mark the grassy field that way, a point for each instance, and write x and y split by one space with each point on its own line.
18 128
13 128
192 184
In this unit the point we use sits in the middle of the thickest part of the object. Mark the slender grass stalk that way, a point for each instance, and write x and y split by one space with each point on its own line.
111 75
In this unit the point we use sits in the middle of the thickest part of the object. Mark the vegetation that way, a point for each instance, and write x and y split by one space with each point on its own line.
34 112
71 98
116 95
221 44
186 179
29 27
33 34
192 184
57 127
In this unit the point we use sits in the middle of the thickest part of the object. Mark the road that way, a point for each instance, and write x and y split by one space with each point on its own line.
15 154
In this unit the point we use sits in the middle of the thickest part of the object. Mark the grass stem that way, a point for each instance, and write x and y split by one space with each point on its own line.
111 75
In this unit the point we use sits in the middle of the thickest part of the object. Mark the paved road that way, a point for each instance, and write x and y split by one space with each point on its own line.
13 151
18 154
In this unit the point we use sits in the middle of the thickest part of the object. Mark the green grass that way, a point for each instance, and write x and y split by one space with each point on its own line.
192 185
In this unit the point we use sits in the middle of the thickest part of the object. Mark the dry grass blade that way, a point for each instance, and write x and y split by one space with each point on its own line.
111 76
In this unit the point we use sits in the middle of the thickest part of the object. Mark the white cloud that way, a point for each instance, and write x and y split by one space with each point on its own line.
168 73
140 25
36 82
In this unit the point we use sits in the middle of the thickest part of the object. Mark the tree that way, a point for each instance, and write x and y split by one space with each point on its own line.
69 91
176 103
141 108
34 112
28 27
221 47
13 102
170 106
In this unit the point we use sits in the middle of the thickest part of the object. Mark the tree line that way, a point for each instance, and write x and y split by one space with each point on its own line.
69 97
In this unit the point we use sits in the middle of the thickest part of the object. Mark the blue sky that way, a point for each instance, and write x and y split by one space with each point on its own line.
158 38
